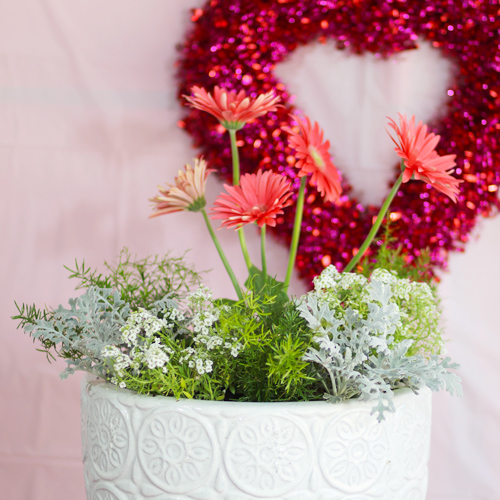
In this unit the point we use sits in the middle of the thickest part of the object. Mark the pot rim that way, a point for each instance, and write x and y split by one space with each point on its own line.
97 383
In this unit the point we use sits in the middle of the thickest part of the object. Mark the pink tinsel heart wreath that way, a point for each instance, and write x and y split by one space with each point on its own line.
237 43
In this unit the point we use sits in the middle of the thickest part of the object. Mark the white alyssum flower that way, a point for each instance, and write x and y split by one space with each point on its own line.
120 360
235 349
207 343
172 317
205 314
155 355
348 280
327 279
110 351
143 323
148 339
385 276
145 348
204 366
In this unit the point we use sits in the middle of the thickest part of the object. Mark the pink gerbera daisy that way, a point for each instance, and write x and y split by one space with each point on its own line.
188 192
259 198
232 109
417 149
313 157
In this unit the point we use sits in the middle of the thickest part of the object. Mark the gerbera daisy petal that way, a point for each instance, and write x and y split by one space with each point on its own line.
232 109
313 157
429 146
188 192
259 198
417 148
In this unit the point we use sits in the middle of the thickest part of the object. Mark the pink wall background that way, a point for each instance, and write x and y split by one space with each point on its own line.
88 129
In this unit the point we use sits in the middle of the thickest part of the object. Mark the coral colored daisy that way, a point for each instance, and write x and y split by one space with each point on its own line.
417 149
232 109
188 192
313 157
259 198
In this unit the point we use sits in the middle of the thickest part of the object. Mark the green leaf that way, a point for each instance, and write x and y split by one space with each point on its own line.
261 284
225 302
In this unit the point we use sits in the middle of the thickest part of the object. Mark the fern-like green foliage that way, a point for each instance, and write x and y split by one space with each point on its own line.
274 338
392 257
140 281
28 316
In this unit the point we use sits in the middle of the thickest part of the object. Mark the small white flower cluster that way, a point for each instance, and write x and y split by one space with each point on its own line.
206 339
145 338
200 299
385 304
194 360
146 349
121 360
330 278
235 348
203 320
403 288
349 280
173 317
385 276
154 355
198 356
327 279
330 284
410 290
143 323
418 306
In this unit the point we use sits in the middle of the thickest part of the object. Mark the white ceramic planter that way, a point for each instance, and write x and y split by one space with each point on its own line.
156 448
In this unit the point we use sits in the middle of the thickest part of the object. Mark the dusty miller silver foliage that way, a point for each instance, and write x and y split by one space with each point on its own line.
355 321
91 322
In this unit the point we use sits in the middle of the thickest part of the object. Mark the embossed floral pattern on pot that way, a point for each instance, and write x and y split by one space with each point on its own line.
108 438
175 451
243 451
354 451
107 492
410 459
414 432
268 455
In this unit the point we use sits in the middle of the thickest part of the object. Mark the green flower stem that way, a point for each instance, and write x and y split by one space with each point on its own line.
236 157
376 225
296 231
222 256
263 250
244 248
236 181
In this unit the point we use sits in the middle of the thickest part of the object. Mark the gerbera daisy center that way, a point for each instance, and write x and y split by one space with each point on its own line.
257 209
317 158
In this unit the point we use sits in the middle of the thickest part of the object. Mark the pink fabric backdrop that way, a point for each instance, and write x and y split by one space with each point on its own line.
88 129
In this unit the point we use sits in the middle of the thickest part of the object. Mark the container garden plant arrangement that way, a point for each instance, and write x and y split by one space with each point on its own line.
319 397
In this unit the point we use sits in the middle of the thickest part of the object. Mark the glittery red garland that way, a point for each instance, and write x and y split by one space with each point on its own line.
237 43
